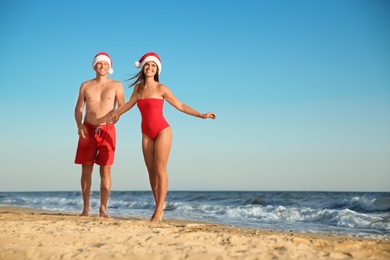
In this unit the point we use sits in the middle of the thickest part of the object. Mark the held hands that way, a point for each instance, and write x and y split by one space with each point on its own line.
112 118
209 115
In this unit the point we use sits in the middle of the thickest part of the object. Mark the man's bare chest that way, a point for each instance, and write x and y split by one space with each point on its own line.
99 94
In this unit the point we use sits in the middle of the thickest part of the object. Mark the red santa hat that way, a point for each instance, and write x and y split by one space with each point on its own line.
102 56
150 56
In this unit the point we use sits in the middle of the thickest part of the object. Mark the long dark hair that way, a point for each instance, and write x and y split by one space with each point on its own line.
140 79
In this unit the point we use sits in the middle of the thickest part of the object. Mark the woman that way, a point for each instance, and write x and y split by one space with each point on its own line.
149 94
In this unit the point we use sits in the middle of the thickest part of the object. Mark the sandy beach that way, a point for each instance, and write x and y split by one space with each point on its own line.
35 234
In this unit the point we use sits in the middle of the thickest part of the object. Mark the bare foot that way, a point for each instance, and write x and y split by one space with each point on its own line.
103 213
85 212
157 216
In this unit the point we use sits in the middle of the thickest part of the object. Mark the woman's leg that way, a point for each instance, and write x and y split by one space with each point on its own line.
148 152
162 147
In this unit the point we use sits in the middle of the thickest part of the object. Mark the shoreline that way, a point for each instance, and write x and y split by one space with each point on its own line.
28 233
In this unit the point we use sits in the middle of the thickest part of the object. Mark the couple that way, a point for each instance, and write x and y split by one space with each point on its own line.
97 136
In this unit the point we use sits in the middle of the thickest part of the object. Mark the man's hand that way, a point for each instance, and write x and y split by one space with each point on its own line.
82 131
113 118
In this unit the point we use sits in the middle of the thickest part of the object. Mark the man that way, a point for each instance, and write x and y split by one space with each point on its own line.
96 139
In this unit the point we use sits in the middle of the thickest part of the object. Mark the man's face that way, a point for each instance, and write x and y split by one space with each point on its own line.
102 67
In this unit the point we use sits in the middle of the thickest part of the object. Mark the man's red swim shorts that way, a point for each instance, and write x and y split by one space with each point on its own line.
98 146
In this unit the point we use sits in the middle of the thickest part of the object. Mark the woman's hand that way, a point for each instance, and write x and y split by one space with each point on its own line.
209 115
112 118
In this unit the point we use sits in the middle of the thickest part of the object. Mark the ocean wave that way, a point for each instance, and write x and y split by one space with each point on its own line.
365 204
340 218
362 214
256 201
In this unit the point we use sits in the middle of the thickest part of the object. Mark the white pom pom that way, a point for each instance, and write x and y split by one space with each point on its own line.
137 64
110 71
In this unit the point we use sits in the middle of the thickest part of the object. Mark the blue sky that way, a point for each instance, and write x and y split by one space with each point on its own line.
301 90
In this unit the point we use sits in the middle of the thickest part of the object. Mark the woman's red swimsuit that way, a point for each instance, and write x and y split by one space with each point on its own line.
153 121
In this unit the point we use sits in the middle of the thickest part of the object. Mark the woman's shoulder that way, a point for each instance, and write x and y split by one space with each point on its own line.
162 87
137 86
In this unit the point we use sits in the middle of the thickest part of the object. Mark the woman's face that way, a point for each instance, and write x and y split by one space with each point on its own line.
150 68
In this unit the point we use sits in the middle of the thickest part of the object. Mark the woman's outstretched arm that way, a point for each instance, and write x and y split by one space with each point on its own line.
171 99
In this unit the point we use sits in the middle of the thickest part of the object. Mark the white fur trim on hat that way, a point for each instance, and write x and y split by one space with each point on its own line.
103 57
149 57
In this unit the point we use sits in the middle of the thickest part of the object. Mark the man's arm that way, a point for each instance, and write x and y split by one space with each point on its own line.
78 112
120 95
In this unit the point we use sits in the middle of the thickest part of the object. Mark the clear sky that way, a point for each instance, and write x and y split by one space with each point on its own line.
301 90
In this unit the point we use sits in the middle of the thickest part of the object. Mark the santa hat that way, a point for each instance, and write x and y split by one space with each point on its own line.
150 56
102 56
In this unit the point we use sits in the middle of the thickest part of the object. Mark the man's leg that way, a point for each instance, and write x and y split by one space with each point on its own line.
105 189
86 181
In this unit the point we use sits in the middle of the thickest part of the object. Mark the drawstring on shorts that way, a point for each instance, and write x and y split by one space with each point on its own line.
97 130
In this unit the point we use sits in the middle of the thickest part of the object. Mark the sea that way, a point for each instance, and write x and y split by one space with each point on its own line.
355 214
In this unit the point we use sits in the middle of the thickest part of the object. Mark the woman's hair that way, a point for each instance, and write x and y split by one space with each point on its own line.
140 79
